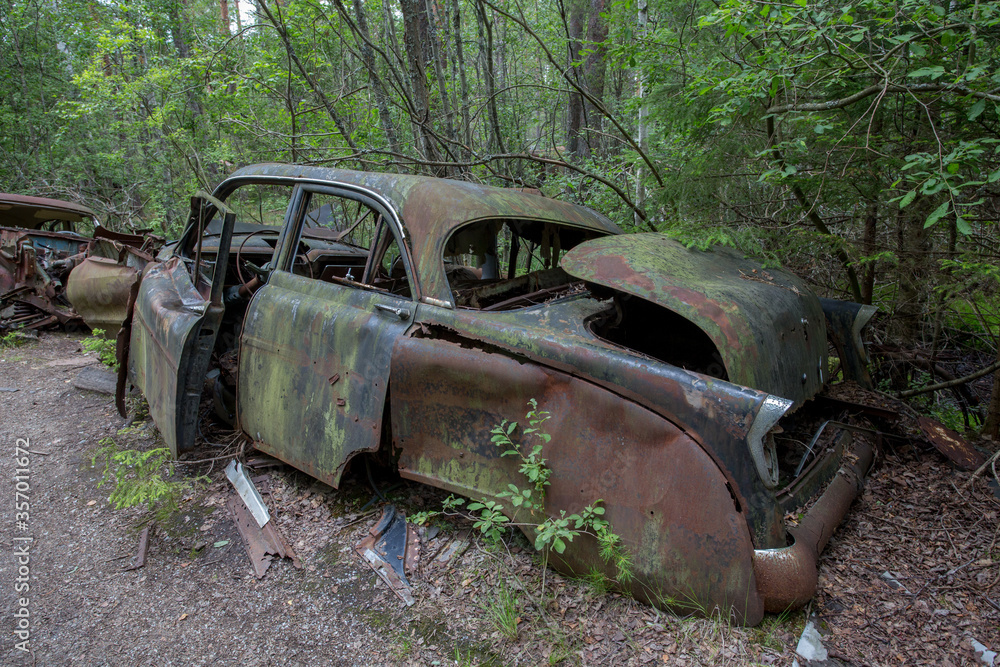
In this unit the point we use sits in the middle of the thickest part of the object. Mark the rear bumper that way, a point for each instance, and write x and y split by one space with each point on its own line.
787 577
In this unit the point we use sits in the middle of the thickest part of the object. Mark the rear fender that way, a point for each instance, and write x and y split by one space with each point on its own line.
663 493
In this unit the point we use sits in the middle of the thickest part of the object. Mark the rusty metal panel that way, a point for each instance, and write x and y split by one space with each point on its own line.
766 323
99 290
172 334
664 495
392 550
314 366
955 448
166 340
262 544
716 414
31 212
787 577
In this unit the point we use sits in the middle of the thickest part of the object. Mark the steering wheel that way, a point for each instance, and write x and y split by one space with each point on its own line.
262 272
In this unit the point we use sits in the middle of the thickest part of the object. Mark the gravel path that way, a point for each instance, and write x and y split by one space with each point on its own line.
177 610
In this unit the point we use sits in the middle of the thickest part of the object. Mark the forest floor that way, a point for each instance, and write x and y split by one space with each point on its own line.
911 577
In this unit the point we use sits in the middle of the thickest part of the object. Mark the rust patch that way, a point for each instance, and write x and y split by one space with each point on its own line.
955 448
260 543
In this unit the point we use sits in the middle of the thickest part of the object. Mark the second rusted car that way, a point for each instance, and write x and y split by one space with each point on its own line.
342 312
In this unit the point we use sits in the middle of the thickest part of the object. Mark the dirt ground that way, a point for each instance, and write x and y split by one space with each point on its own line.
910 578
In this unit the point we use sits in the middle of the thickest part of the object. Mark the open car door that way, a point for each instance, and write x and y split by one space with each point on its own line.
176 316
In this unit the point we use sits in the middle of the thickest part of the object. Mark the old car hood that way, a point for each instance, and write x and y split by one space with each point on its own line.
767 324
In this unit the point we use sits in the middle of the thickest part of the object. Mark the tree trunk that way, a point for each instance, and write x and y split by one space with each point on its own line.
463 81
574 111
911 275
378 88
489 76
992 425
868 249
416 40
437 56
594 74
642 134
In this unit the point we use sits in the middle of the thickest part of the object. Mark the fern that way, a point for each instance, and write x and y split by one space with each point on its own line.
141 478
104 347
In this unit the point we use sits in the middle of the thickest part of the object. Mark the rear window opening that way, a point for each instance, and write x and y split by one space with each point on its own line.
652 330
505 264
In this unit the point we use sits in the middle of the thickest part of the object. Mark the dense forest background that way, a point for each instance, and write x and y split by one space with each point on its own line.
856 143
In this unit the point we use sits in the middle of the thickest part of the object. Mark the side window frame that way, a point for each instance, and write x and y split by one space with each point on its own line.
290 240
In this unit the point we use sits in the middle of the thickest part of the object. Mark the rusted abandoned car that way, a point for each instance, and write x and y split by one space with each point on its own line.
342 312
41 247
38 236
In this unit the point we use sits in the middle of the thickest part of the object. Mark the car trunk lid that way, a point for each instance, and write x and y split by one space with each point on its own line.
767 325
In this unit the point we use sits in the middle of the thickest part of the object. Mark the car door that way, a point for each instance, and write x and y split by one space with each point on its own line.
315 348
174 323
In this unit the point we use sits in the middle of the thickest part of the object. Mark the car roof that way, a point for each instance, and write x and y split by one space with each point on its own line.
432 208
31 212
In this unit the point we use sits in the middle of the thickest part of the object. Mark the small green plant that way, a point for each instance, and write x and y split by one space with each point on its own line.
502 610
12 339
552 533
141 478
104 347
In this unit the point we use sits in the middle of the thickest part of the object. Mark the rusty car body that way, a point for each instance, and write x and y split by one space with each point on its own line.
410 315
38 239
41 247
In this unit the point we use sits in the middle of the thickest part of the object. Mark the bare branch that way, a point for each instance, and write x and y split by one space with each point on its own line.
886 88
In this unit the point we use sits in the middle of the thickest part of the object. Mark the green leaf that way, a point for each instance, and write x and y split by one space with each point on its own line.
907 199
977 109
220 544
937 214
935 72
963 226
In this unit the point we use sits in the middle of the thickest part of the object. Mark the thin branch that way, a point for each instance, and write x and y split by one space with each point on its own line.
887 88
950 383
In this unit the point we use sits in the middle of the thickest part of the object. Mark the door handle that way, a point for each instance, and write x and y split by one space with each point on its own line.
401 313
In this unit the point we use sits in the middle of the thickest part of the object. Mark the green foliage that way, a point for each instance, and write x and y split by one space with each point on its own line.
104 347
502 610
141 478
13 339
532 464
490 520
552 533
